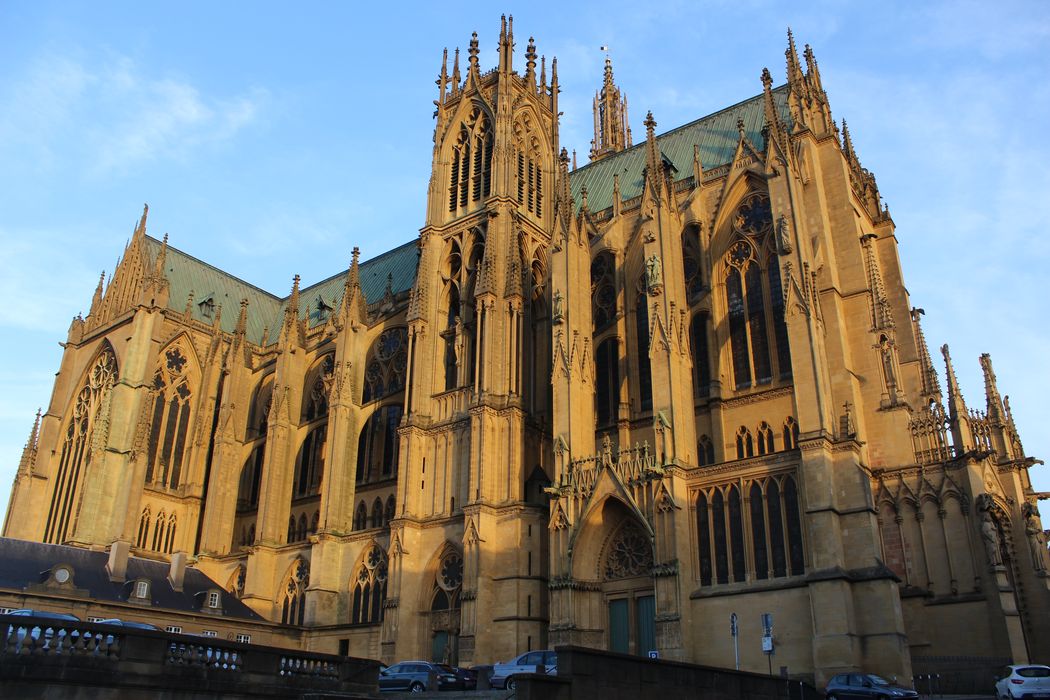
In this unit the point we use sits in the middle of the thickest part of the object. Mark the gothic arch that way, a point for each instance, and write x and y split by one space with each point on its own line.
75 454
315 388
173 395
291 595
598 523
367 586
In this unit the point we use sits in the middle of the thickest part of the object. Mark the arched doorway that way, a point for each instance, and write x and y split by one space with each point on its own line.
444 608
627 586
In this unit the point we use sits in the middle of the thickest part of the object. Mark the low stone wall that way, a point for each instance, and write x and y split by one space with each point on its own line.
584 674
41 658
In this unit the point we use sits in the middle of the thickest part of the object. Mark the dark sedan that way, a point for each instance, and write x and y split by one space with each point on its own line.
412 676
865 686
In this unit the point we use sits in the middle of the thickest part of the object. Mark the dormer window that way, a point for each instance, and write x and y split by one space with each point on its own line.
207 306
141 590
213 599
323 309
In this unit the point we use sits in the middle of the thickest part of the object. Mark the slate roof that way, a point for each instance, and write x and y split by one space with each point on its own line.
716 134
25 564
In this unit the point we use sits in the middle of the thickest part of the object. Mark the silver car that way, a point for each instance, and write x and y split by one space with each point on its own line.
504 675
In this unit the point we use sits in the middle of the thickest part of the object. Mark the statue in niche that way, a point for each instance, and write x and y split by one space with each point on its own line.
557 313
1033 530
457 344
653 275
990 535
783 236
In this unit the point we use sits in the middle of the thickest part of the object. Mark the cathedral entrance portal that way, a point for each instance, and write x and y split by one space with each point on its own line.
444 612
627 586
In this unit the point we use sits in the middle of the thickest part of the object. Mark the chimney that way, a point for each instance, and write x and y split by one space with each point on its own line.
117 566
177 572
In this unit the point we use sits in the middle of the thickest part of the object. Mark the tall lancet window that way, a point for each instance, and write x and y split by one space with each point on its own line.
470 165
754 297
529 167
645 372
170 422
77 449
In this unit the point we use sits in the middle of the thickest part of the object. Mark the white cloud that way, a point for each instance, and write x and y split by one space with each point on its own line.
124 118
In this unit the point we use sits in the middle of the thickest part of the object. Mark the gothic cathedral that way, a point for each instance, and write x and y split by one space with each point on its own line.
462 450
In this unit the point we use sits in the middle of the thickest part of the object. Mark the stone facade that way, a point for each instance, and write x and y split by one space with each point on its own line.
463 450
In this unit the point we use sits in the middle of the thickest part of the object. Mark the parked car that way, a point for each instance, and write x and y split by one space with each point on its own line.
865 686
1024 681
504 675
128 623
26 612
469 676
413 675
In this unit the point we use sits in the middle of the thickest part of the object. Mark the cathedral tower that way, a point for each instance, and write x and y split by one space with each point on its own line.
474 447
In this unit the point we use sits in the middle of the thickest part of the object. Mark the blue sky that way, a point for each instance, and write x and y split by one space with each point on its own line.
269 141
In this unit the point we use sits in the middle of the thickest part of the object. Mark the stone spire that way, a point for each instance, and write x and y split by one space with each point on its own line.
931 385
882 315
991 391
25 465
611 132
959 416
796 78
530 62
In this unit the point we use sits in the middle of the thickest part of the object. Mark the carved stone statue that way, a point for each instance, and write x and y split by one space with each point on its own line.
1033 530
1036 544
457 344
783 236
990 535
557 313
653 274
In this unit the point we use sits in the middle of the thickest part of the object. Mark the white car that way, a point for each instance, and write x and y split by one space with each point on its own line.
1023 681
504 674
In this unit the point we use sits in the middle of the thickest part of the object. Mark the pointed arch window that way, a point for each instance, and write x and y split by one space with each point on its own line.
391 506
705 452
754 297
603 291
171 420
369 588
645 372
790 433
745 445
159 528
315 393
529 168
765 439
694 279
309 464
293 604
378 445
361 516
377 513
607 381
387 364
77 450
143 536
470 169
701 356
251 477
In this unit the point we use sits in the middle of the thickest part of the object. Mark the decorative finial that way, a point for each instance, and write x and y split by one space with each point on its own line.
473 51
767 79
530 60
650 125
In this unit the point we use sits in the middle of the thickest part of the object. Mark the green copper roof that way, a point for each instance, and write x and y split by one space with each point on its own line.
187 274
716 135
399 265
